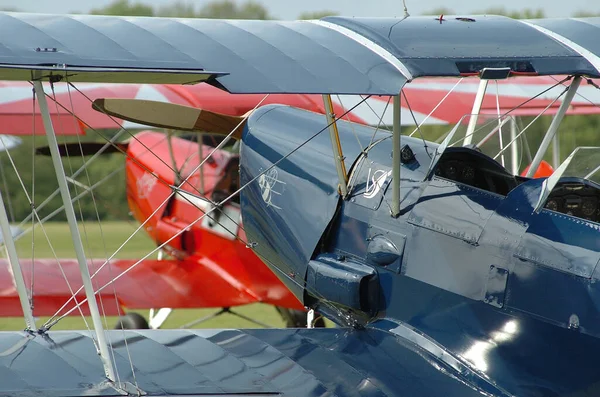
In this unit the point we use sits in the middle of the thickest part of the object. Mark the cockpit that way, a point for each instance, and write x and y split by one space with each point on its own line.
573 189
473 168
576 197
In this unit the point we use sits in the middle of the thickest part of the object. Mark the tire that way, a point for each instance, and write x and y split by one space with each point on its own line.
297 318
132 321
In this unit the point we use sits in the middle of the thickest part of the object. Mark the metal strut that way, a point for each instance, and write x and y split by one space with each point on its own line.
70 213
475 111
396 141
13 259
562 110
336 145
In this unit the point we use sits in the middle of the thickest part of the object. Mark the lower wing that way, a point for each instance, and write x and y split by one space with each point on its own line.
260 362
194 283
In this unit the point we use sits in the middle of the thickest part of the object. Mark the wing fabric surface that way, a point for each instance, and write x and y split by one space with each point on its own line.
335 55
194 283
286 362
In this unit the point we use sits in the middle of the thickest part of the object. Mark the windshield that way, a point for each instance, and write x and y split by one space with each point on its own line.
499 137
583 163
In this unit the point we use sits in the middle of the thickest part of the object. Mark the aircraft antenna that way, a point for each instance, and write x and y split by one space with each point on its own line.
72 220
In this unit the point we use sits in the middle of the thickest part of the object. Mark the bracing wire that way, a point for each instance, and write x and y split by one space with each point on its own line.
529 125
520 105
417 124
436 106
112 350
351 124
31 303
113 140
355 170
50 324
47 237
53 321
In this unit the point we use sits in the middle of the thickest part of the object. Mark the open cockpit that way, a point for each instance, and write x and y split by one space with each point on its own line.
473 168
573 188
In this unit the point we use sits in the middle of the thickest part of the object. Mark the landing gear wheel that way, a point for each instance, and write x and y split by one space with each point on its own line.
132 321
297 318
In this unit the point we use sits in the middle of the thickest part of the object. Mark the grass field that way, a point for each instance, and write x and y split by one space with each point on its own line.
100 240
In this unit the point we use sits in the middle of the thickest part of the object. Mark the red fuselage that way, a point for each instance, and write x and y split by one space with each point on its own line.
212 247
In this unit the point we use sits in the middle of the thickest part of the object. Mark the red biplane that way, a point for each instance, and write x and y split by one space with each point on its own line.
207 266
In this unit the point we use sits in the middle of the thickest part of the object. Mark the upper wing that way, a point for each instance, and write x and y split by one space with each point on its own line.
334 55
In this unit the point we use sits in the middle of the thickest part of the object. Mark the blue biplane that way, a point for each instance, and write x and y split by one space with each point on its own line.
447 274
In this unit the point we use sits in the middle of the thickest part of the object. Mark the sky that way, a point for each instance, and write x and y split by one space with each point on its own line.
288 9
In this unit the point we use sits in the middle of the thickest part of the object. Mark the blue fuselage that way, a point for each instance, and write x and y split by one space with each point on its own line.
505 296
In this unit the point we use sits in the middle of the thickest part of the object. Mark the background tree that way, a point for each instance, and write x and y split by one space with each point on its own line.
178 9
523 14
586 14
230 10
124 8
318 14
440 11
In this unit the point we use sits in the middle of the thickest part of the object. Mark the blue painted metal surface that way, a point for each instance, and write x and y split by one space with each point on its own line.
302 362
279 207
454 277
282 56
430 48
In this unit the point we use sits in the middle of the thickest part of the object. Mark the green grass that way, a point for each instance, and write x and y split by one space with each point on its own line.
99 240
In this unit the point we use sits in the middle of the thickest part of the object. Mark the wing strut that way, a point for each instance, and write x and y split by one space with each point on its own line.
70 212
475 112
336 145
562 110
396 141
13 259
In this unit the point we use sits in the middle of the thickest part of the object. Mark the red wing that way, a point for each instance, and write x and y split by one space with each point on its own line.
197 283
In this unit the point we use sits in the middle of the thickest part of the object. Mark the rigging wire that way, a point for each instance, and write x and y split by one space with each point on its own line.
112 142
519 106
530 124
436 106
417 124
351 124
60 128
49 325
95 205
31 303
133 136
53 321
356 169
36 216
